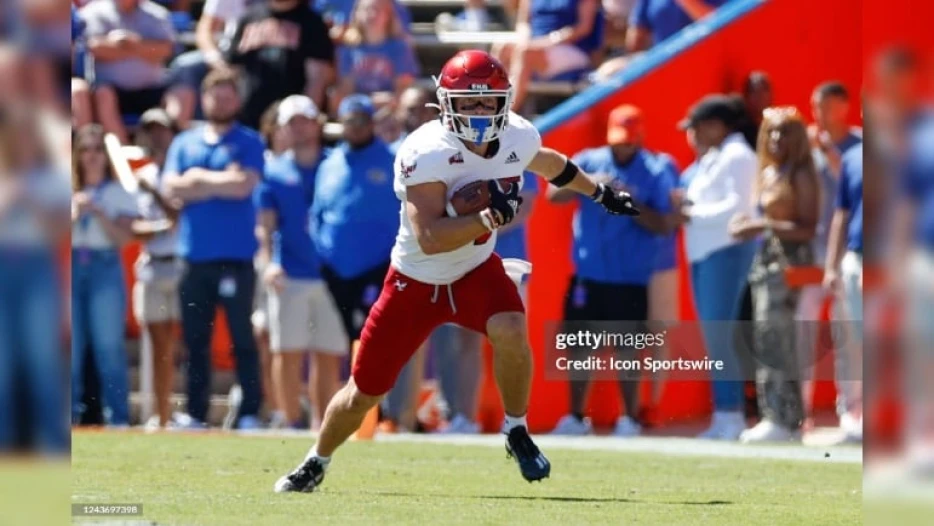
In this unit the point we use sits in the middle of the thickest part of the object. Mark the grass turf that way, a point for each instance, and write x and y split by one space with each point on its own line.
227 480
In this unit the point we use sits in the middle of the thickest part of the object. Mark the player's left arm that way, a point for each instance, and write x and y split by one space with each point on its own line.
562 172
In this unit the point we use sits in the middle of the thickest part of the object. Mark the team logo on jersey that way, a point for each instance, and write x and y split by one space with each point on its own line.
407 169
377 176
513 158
457 158
400 285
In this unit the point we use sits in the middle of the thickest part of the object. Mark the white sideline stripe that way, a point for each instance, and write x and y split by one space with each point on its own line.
686 447
661 445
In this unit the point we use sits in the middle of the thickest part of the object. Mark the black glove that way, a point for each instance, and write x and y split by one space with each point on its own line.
616 203
506 204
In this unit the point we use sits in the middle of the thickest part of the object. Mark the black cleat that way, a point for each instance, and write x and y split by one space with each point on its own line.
532 463
304 479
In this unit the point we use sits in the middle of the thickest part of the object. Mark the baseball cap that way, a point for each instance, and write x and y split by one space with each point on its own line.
155 116
625 125
355 104
716 107
294 106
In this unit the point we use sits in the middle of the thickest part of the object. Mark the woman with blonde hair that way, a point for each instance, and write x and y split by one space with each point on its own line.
375 55
102 213
787 196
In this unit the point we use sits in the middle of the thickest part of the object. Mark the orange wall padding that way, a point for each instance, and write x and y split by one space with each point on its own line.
800 43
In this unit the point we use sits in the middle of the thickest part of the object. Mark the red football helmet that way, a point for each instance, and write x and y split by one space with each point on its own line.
474 73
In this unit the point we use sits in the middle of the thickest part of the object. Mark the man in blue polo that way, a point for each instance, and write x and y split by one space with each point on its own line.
610 282
213 170
355 215
843 275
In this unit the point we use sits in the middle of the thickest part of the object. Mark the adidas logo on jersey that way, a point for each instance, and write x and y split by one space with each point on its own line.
513 158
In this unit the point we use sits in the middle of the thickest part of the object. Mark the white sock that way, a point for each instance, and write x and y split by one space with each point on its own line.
313 453
514 421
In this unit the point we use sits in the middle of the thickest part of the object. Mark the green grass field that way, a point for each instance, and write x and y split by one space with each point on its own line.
227 480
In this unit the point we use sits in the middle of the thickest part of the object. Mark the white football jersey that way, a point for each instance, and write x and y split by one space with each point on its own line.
431 153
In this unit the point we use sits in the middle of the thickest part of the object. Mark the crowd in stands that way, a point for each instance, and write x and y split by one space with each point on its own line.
251 207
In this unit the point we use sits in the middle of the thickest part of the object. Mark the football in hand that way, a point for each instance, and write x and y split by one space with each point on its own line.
471 199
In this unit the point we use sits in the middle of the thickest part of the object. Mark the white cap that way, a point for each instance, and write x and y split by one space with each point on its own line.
295 105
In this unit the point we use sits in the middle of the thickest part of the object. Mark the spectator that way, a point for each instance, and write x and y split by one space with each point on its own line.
610 285
374 56
213 170
652 22
913 259
102 213
130 40
719 188
843 277
213 32
757 94
33 209
787 193
830 137
283 48
338 14
278 141
355 214
49 52
554 38
302 314
158 268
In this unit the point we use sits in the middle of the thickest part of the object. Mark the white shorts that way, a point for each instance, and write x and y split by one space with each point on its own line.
260 317
304 317
155 292
156 302
562 58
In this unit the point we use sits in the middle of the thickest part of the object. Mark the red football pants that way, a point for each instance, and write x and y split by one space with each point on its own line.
408 310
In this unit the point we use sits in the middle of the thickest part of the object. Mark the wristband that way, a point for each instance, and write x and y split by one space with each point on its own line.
597 195
486 217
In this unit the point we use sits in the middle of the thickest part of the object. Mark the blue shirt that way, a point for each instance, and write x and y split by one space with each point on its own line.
546 16
355 214
216 229
850 196
663 17
918 182
829 193
616 249
375 67
287 189
338 12
512 243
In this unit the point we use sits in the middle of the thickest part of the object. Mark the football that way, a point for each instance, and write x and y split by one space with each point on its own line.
470 199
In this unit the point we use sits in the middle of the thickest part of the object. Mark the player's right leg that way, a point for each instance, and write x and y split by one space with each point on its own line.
399 322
